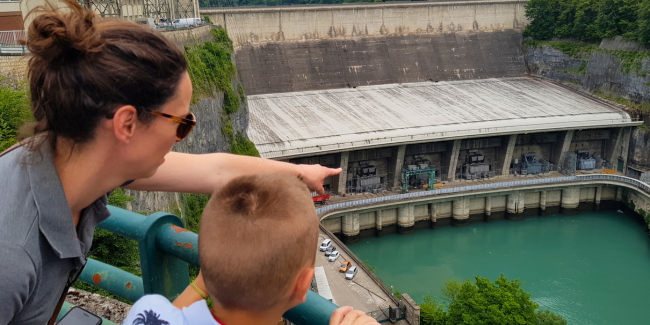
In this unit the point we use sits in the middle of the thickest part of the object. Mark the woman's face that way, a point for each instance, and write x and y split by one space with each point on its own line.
157 138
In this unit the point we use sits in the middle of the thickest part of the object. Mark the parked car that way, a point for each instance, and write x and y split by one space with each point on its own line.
146 21
352 271
345 266
329 250
326 243
186 22
334 256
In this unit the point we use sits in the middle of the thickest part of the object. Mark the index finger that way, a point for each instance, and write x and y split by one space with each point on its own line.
339 314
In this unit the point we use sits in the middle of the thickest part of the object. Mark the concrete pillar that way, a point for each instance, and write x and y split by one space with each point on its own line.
510 150
619 194
488 208
570 200
562 147
453 161
460 211
542 200
341 179
397 160
618 145
405 218
378 221
350 227
627 134
433 214
515 206
599 192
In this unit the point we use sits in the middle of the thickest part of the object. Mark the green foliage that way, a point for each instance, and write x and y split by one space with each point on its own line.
212 70
589 20
480 302
641 107
207 19
193 206
242 94
210 66
546 317
14 112
242 146
230 101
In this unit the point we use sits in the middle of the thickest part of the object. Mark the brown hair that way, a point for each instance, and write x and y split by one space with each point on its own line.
82 68
255 235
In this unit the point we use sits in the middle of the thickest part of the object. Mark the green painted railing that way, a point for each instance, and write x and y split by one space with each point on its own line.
166 248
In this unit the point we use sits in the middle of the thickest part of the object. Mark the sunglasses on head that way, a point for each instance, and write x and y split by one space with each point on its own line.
185 124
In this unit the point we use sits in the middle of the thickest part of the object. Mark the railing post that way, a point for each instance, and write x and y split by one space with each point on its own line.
161 273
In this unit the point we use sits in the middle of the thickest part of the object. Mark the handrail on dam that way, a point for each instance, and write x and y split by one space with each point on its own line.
631 181
166 249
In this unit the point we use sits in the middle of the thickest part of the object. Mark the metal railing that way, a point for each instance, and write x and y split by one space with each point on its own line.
540 181
166 249
12 36
12 49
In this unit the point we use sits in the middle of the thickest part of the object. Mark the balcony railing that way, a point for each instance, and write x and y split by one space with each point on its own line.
166 250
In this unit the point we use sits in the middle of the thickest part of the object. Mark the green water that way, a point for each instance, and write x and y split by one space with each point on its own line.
593 268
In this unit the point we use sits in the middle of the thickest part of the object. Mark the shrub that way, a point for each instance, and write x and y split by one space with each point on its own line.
14 112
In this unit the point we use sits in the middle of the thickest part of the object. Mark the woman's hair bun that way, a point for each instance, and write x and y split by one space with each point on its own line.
64 33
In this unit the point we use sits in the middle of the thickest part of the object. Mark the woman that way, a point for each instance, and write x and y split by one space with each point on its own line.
110 99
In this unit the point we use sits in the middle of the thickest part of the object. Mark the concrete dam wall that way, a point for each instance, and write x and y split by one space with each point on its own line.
301 48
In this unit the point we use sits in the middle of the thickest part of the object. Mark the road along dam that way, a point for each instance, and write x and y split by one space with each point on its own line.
430 112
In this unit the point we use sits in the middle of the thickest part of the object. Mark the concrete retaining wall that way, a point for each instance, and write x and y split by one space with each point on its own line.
463 210
301 48
253 26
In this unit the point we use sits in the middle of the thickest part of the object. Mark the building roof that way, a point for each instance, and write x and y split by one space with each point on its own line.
316 122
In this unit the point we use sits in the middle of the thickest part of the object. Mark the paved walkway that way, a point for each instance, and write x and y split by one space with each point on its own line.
499 179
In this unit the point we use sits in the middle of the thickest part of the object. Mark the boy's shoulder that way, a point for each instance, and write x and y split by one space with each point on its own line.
156 309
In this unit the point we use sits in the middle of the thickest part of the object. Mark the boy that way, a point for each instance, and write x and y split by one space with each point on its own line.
257 248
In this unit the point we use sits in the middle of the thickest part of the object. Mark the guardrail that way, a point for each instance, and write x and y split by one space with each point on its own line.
12 49
641 185
166 250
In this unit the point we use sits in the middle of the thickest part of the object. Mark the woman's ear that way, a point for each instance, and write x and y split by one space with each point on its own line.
125 122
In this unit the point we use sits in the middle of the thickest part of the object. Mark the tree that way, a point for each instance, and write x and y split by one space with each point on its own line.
481 302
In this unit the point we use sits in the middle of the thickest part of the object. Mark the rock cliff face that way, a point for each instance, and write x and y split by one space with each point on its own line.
596 71
605 71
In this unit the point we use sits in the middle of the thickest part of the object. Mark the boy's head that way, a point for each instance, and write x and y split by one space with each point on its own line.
257 242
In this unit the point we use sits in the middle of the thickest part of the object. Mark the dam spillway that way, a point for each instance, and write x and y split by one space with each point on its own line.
591 268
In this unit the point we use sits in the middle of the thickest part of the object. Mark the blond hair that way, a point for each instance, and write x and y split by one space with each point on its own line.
255 235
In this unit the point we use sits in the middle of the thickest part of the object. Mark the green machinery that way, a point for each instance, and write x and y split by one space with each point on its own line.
408 172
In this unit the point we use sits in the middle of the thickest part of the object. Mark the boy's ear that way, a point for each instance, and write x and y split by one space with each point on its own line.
301 285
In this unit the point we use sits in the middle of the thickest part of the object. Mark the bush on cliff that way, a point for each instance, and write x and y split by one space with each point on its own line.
14 112
483 302
589 20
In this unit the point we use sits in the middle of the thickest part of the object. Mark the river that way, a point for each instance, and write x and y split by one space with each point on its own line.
592 268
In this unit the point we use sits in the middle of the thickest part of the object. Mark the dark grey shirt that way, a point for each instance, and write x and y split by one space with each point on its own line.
39 246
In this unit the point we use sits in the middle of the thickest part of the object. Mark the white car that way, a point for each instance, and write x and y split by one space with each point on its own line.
334 255
325 244
352 271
